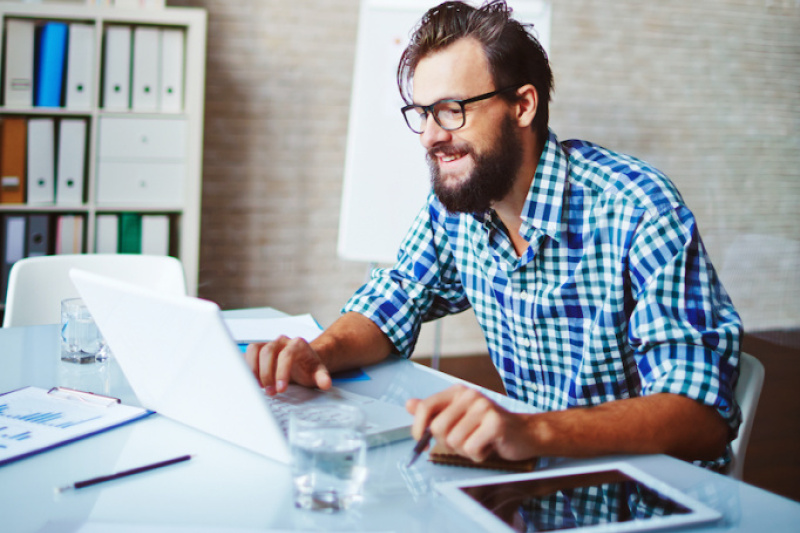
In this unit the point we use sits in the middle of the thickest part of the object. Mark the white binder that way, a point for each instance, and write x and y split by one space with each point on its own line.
171 90
134 183
71 161
117 69
41 161
146 68
18 79
69 234
80 56
13 247
155 234
106 236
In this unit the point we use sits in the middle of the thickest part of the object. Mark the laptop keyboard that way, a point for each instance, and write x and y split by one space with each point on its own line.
283 404
281 410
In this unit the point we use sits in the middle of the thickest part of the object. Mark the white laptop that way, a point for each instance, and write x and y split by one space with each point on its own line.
181 361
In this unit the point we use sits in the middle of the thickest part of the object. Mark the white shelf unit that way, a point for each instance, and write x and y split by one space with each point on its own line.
182 205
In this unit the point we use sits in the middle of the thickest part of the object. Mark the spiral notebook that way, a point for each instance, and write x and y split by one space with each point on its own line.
440 454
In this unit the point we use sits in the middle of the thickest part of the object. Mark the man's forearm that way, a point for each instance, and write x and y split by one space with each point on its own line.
662 423
352 341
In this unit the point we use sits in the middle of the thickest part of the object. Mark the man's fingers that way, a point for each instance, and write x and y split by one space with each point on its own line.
251 356
426 412
322 378
273 356
420 421
411 405
457 420
290 356
459 417
262 357
301 364
474 435
480 443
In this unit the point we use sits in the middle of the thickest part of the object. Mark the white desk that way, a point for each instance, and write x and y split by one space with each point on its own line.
224 486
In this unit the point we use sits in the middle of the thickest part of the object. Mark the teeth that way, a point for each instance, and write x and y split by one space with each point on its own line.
448 158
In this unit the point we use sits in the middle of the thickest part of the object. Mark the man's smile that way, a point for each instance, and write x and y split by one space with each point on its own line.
450 158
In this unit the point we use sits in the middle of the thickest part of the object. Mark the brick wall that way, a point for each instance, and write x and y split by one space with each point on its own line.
707 91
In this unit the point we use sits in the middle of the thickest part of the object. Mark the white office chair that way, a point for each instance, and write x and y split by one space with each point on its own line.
36 285
748 391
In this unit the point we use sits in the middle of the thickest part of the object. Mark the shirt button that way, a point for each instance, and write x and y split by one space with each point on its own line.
534 387
525 342
523 295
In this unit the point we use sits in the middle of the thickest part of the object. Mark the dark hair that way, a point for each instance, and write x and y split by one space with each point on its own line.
515 56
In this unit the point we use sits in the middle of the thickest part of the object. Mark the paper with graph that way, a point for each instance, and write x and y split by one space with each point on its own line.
33 420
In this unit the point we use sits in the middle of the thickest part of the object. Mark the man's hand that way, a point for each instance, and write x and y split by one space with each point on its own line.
351 341
277 363
471 424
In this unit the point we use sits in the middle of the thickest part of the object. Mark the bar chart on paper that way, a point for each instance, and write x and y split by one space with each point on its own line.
32 420
40 415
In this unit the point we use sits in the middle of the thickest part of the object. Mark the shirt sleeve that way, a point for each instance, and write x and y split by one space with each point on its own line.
684 327
422 285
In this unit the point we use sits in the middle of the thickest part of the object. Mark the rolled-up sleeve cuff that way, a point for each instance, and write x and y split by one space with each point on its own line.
696 372
391 317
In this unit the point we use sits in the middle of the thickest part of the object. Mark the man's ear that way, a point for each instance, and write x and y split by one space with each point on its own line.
527 104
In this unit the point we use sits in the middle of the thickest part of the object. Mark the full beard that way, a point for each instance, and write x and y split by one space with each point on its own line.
491 179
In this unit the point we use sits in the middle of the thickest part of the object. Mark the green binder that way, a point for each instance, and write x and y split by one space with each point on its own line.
130 233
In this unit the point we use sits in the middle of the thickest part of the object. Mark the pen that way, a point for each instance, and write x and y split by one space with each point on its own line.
421 445
124 473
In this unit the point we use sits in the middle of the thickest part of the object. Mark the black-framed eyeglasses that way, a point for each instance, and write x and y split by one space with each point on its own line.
449 113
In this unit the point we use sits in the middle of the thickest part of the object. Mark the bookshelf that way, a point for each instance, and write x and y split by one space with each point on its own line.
113 164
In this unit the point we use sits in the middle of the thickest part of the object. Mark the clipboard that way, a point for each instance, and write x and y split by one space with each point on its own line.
34 420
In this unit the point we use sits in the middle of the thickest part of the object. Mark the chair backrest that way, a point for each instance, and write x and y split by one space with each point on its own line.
36 285
748 391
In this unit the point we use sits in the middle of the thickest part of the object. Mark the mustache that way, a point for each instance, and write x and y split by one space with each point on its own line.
448 149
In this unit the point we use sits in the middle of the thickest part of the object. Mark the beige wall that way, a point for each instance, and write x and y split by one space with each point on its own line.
707 91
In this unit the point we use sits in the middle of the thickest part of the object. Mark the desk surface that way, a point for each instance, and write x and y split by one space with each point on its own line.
225 486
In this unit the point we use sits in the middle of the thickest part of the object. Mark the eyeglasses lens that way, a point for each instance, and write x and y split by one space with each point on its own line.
448 114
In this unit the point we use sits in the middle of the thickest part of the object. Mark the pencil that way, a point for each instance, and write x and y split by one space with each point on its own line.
421 445
124 473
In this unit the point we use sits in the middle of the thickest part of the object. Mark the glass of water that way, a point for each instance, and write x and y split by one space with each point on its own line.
81 341
329 456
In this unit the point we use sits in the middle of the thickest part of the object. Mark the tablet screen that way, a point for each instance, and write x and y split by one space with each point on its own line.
573 501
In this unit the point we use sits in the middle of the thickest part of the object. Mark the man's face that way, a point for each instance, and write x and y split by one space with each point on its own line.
476 165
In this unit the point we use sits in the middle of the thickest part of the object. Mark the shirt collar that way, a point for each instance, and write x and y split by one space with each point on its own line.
543 207
544 203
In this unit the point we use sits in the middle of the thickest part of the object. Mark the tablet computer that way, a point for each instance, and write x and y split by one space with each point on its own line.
608 497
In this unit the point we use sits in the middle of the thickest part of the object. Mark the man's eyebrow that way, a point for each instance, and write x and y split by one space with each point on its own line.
413 102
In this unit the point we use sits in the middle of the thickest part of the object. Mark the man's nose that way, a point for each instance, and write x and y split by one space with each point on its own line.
434 134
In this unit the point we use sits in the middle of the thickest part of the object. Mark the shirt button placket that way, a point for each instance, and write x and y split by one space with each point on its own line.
527 337
525 342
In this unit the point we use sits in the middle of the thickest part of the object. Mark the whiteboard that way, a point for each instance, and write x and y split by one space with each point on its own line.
386 178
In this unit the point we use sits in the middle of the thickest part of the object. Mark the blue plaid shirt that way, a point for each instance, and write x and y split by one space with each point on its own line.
614 298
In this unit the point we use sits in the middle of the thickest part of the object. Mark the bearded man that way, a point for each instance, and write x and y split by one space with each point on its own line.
584 267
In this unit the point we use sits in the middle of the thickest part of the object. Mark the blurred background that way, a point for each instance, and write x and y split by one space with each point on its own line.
705 91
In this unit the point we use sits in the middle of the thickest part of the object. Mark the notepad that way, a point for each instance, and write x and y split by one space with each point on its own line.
245 330
441 454
33 420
